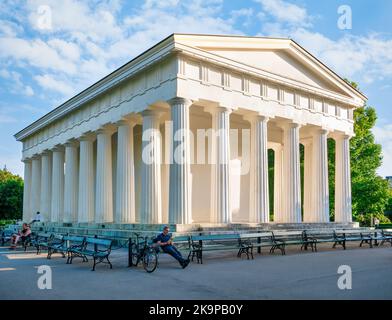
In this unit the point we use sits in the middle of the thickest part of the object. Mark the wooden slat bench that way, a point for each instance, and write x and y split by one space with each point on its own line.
365 237
259 240
98 249
294 238
42 240
217 242
324 236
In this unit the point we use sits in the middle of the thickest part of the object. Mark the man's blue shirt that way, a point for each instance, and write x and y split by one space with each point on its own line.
163 238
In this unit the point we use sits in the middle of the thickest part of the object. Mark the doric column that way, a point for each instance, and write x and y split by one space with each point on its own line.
36 185
104 183
180 197
309 214
343 209
278 184
221 167
320 187
125 189
292 176
151 202
86 180
259 193
57 185
46 185
71 182
27 215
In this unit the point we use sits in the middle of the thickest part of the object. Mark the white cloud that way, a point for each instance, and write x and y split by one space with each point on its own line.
383 136
49 82
286 12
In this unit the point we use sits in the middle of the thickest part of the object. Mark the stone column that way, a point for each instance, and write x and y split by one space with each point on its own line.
292 176
27 215
36 185
71 182
86 180
221 168
180 197
57 206
278 184
259 193
309 215
151 202
46 185
320 187
125 189
343 209
104 183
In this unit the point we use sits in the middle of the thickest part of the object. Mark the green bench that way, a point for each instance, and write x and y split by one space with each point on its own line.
381 236
42 240
98 249
259 240
217 242
62 244
295 237
364 237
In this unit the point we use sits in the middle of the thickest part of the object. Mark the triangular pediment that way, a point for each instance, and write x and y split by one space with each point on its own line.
281 57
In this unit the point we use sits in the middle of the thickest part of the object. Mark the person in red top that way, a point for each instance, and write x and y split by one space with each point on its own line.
22 234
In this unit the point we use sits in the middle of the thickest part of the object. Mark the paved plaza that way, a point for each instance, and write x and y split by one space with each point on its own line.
298 275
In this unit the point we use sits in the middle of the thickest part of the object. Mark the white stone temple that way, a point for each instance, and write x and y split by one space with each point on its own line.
191 95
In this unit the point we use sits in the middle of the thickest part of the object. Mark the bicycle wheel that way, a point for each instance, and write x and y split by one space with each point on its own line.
150 260
134 254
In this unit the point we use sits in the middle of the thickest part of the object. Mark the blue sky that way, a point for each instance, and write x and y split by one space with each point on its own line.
44 62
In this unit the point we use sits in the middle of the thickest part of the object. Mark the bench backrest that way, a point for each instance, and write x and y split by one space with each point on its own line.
320 234
45 236
265 236
216 237
98 244
288 235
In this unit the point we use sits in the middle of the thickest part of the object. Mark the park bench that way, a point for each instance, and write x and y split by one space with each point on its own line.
365 237
7 234
324 236
217 242
41 241
56 245
259 240
382 236
98 249
288 238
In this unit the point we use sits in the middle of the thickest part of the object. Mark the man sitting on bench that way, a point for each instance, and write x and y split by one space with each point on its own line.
166 244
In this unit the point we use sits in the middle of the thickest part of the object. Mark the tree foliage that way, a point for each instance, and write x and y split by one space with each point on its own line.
11 195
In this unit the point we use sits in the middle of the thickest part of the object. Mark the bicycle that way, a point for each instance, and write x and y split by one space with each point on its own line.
142 250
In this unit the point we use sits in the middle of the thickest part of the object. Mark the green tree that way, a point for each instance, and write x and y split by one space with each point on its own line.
11 195
370 193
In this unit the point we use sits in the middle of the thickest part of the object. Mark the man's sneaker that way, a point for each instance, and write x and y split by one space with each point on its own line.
185 263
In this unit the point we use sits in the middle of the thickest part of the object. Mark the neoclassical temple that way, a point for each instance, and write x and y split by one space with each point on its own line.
85 161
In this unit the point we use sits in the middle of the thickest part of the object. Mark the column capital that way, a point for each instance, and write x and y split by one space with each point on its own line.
71 143
152 113
46 152
36 156
180 100
129 120
218 109
26 160
256 117
87 136
338 136
57 148
289 124
106 129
